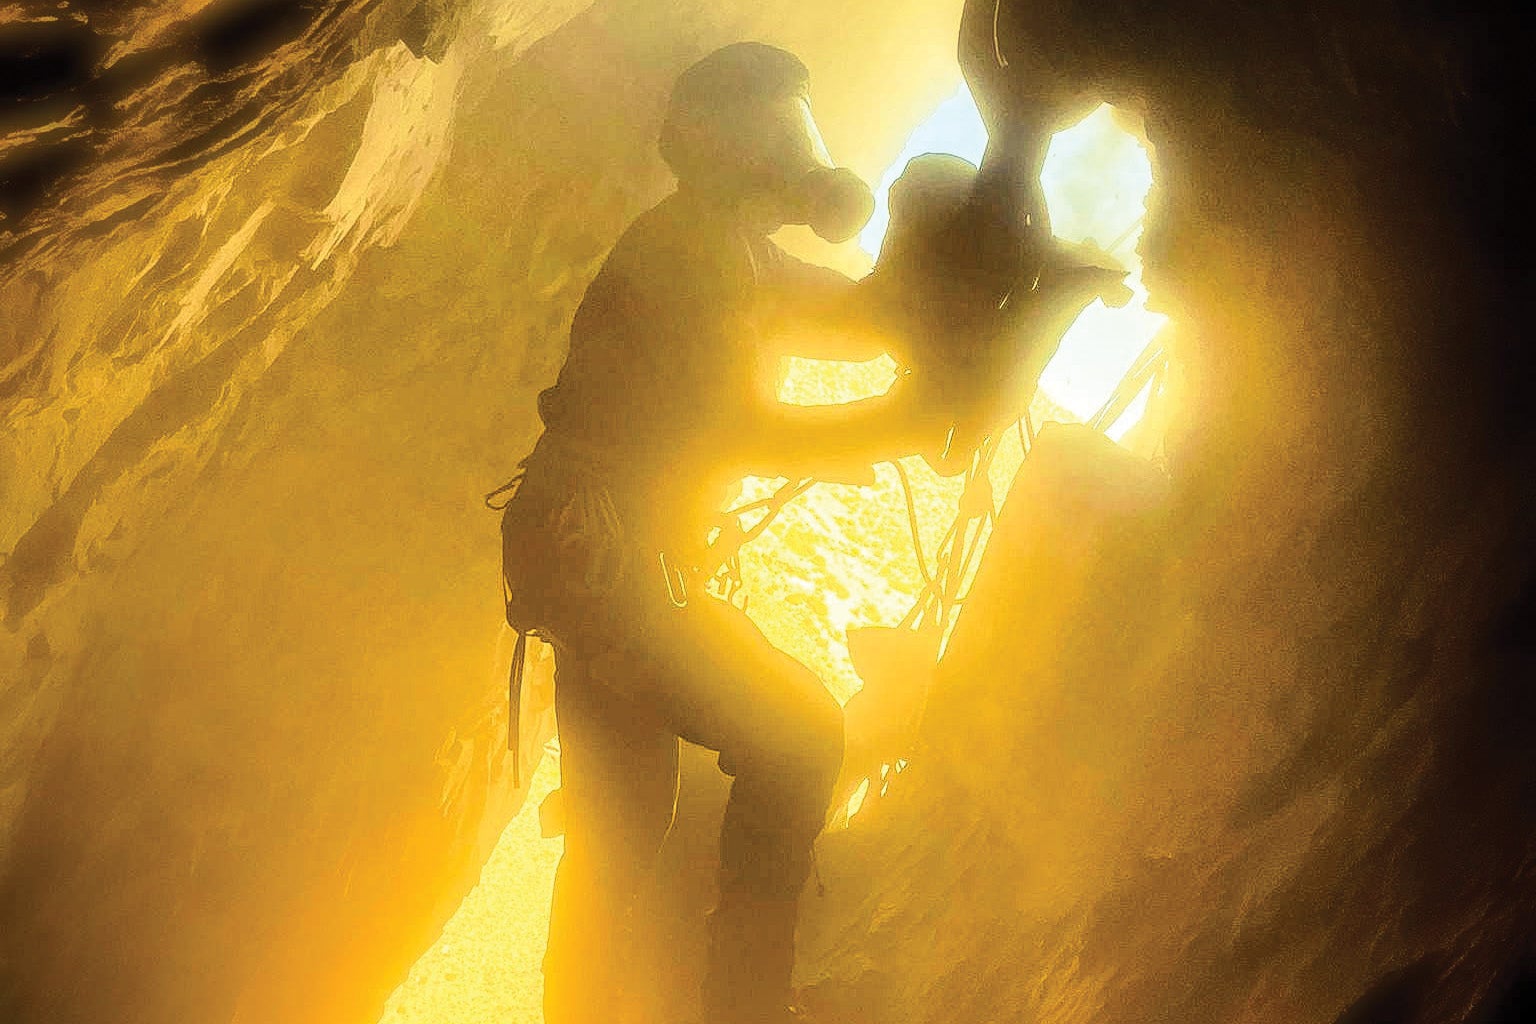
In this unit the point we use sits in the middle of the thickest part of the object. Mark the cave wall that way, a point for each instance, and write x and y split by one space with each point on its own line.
274 316
1260 750
265 346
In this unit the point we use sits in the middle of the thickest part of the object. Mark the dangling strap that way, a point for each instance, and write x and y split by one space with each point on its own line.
509 489
515 708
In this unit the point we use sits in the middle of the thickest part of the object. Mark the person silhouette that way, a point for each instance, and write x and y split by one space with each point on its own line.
663 401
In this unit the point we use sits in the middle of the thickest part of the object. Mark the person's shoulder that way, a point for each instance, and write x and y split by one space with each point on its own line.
659 230
669 245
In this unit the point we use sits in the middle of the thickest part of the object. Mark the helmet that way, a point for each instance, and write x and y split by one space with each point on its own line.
739 122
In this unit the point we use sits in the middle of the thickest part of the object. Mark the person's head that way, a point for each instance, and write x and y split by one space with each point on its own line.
739 127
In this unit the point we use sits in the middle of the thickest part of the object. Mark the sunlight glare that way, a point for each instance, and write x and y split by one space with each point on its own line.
839 556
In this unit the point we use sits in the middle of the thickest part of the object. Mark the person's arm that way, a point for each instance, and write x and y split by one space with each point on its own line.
842 442
1023 98
819 313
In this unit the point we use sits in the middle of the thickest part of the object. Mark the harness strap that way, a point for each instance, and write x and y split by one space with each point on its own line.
509 489
515 707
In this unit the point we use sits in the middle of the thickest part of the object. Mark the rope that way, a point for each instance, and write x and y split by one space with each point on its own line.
959 548
510 486
1142 370
917 540
786 493
515 707
732 537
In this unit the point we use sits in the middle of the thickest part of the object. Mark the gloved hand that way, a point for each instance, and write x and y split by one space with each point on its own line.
926 406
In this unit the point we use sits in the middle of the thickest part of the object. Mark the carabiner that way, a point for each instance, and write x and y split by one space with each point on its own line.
678 595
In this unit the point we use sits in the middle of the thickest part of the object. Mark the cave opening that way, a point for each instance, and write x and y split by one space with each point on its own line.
841 556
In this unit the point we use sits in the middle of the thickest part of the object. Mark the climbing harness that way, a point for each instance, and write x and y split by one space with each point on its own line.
730 536
582 533
509 489
678 594
515 708
586 527
520 648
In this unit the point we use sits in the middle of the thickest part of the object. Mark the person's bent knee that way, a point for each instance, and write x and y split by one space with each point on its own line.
790 761
817 756
825 743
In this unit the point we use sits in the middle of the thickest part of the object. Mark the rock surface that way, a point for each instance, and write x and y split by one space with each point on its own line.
282 279
1238 758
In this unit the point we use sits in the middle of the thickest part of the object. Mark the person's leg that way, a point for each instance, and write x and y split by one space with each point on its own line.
618 774
717 681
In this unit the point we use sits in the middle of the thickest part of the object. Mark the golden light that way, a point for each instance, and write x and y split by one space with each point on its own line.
838 557
841 557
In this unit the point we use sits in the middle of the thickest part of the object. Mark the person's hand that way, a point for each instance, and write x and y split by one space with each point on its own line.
923 403
929 407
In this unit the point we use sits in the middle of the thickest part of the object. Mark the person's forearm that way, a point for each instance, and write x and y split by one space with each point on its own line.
1023 96
819 313
839 441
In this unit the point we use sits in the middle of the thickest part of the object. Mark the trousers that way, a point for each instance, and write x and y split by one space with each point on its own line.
706 674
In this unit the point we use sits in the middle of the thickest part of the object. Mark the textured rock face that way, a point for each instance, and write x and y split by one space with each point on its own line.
238 783
1240 779
281 319
265 340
